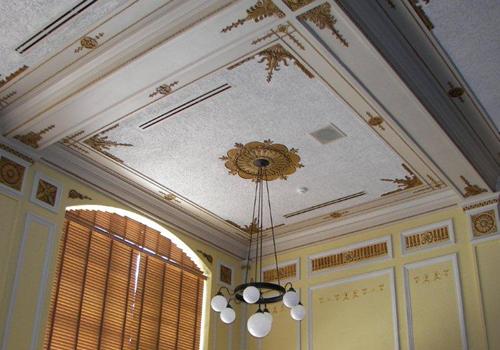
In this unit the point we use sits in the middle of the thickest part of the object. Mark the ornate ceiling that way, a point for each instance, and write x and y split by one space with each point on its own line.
151 107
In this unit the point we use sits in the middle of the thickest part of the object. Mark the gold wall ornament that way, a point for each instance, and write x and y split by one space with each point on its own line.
74 194
285 272
242 160
456 92
11 173
338 214
16 153
46 192
12 76
322 17
484 223
164 89
103 144
294 5
89 42
426 238
480 204
70 141
375 121
170 197
4 100
471 190
409 181
33 138
261 10
283 29
274 56
207 256
416 4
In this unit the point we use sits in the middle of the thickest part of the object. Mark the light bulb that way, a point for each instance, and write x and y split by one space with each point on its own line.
298 312
228 315
268 315
218 302
259 324
251 294
291 298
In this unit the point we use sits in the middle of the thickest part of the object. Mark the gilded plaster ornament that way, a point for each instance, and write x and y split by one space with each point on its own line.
261 10
409 181
322 17
33 138
103 144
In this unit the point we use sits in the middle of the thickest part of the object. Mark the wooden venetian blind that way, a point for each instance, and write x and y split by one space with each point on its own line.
122 285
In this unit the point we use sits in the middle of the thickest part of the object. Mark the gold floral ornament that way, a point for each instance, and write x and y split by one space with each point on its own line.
409 181
46 192
470 189
322 17
261 10
11 173
103 144
89 43
274 56
294 5
246 160
32 138
164 89
484 223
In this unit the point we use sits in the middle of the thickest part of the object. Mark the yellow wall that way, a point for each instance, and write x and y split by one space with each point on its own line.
34 261
366 305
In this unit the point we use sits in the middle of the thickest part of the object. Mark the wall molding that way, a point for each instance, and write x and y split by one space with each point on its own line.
434 240
458 290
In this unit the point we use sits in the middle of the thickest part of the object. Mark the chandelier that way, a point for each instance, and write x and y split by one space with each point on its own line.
261 162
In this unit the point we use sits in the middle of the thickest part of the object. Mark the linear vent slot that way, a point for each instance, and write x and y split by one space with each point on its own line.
51 27
185 106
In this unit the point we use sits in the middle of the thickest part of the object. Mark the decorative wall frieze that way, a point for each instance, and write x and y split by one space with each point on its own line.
480 204
74 194
16 153
207 256
483 217
282 161
103 144
409 181
70 141
261 10
89 42
427 237
470 189
456 92
33 138
322 17
12 76
351 255
375 121
294 5
288 271
274 56
164 89
417 6
280 29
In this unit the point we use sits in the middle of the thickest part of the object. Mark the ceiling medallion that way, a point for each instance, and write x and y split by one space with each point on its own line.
274 56
32 138
103 144
471 190
247 161
322 17
261 10
409 181
89 43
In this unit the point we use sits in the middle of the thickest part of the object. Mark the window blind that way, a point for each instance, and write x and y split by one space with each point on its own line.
122 285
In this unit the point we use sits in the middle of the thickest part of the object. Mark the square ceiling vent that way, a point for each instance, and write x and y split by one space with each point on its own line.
327 134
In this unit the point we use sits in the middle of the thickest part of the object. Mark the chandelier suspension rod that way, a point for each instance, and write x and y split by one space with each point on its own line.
251 235
272 232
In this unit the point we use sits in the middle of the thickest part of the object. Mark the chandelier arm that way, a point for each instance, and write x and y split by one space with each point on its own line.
251 235
272 233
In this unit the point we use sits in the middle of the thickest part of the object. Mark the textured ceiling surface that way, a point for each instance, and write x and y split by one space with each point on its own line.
468 31
182 152
23 19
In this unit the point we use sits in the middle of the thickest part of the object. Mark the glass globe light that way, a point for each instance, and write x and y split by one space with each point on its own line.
251 295
218 302
268 315
298 312
228 315
259 324
291 298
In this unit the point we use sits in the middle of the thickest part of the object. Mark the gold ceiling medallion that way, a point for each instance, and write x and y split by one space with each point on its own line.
294 5
375 120
471 190
261 10
33 138
245 160
409 181
4 100
12 76
164 89
280 29
74 194
416 4
456 92
89 43
70 141
321 16
274 56
103 144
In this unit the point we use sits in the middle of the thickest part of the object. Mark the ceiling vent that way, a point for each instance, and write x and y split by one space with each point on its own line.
327 134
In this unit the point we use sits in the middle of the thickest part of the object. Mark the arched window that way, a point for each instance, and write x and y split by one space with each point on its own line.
120 284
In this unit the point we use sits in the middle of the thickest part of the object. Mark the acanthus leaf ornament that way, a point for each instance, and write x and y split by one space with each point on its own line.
322 17
470 189
409 181
33 138
74 194
261 10
294 5
242 160
103 144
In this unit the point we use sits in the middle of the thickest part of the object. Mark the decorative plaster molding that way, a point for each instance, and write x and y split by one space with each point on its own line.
427 237
288 271
409 181
322 17
89 42
74 194
33 138
103 144
261 10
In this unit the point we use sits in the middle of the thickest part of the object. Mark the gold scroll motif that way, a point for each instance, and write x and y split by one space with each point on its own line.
416 4
164 89
435 276
12 76
350 257
285 272
283 29
103 144
11 173
274 56
427 238
484 223
89 42
409 181
352 294
294 5
282 161
33 138
74 194
470 189
322 17
261 10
